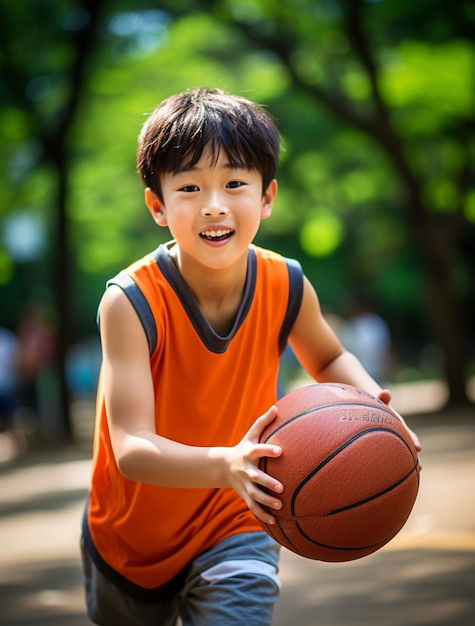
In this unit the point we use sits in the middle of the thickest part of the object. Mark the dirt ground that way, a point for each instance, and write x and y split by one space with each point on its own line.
425 576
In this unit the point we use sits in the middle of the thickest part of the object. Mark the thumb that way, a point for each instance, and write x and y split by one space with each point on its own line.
262 422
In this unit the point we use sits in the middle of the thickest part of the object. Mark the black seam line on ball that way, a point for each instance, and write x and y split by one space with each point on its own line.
336 452
379 543
329 406
287 537
373 497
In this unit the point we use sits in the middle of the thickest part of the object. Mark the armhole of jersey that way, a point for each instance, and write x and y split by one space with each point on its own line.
140 304
295 300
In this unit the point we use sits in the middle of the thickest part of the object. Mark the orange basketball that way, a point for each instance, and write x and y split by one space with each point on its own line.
349 470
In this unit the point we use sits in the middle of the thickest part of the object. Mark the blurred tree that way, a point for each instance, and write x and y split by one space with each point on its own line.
45 51
403 75
70 70
375 102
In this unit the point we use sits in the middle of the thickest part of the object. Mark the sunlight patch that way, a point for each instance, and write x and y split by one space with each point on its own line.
321 235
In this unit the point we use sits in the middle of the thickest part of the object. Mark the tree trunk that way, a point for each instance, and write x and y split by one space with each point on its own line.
448 324
61 273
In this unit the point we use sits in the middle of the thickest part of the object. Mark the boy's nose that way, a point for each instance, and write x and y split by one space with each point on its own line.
214 208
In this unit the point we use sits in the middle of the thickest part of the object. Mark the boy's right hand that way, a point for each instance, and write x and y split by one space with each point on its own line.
244 475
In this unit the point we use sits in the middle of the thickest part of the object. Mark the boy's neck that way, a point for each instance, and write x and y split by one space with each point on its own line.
218 293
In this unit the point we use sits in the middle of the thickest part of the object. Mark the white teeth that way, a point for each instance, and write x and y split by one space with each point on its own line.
216 233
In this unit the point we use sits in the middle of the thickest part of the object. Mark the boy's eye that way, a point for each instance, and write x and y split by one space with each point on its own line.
189 188
234 184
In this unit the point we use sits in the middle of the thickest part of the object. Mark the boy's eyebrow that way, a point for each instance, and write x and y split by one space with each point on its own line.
237 165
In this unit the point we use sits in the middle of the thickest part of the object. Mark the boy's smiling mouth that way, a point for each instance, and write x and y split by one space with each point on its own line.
217 234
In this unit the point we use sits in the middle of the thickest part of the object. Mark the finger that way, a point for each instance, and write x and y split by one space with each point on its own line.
257 475
262 505
266 498
418 447
385 396
266 418
261 450
262 514
416 441
263 480
262 422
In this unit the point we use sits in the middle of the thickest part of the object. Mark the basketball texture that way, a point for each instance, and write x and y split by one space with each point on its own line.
349 470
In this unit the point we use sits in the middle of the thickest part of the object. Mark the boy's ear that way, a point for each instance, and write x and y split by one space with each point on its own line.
156 207
268 199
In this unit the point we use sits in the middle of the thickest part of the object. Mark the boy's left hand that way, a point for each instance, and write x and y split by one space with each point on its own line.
385 396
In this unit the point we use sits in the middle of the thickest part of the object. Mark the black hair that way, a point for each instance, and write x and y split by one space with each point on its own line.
185 124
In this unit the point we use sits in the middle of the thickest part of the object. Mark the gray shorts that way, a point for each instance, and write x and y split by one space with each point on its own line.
233 584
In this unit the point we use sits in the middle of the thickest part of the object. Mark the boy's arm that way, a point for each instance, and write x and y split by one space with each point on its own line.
144 456
320 351
321 354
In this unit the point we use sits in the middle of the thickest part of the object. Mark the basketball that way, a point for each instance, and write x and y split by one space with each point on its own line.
349 470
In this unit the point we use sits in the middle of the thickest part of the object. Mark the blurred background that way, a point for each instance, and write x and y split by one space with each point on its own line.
376 104
375 100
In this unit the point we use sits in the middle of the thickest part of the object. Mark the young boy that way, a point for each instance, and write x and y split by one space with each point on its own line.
191 338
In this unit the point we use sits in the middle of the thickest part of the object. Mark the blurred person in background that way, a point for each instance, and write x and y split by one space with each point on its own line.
9 356
366 334
37 338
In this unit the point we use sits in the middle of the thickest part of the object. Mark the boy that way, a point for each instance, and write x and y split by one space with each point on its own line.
191 338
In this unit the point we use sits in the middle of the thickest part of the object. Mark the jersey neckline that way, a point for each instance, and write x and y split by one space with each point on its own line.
211 339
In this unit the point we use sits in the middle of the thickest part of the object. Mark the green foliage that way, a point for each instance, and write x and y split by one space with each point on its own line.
434 80
341 207
111 223
321 235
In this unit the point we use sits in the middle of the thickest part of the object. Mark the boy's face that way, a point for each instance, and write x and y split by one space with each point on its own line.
212 210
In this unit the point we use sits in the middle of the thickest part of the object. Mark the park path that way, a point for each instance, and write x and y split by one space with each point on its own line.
424 577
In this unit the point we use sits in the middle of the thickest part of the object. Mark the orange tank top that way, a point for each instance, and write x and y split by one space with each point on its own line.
209 390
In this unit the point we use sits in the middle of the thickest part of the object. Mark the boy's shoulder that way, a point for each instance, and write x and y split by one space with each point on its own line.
268 254
147 264
272 258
